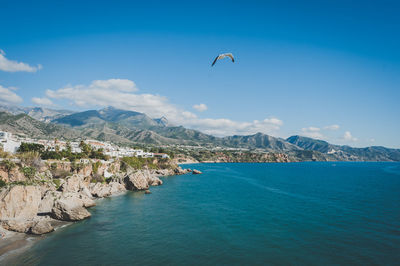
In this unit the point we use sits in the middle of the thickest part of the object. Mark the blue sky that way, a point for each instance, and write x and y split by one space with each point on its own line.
325 69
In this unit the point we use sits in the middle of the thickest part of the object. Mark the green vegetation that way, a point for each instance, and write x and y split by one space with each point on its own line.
87 152
137 163
29 147
8 165
95 167
2 183
29 172
4 154
57 183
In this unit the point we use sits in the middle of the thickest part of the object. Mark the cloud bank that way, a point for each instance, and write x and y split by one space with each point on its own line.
200 107
8 96
14 66
121 93
42 101
312 132
348 137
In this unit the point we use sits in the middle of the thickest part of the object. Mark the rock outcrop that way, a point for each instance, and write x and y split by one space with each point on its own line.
70 209
136 181
31 209
17 225
41 227
141 180
47 202
180 171
100 190
19 202
196 172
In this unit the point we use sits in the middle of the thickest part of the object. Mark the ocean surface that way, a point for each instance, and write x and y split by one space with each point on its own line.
314 213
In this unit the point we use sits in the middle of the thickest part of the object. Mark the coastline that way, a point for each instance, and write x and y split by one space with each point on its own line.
15 243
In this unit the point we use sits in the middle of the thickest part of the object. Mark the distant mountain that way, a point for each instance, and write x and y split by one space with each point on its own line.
121 125
374 153
260 141
311 144
129 119
24 125
127 127
39 113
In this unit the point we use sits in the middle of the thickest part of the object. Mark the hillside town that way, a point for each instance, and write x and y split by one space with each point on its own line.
11 143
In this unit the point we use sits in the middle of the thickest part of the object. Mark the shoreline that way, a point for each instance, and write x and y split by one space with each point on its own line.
15 243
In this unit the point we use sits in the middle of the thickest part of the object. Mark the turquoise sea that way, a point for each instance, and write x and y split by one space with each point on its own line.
314 213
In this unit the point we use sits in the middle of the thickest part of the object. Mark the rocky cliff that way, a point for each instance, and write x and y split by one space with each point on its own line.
36 208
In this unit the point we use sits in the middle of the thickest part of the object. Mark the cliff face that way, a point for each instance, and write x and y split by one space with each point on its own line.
36 208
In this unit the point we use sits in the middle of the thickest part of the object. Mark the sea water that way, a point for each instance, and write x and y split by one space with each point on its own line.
314 213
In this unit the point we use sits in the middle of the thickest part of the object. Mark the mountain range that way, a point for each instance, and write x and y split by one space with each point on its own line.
128 127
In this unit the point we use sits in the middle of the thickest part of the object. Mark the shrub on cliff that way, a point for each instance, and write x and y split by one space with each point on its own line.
31 159
8 165
29 172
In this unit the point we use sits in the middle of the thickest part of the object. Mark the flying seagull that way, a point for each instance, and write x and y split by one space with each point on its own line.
221 56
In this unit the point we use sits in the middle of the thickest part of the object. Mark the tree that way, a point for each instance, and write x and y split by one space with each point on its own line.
85 148
29 147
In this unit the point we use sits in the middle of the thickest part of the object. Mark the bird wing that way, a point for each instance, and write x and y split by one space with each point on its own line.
231 56
215 60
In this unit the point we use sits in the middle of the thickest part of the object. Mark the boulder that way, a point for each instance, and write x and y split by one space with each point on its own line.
196 172
47 202
136 181
69 209
19 202
41 227
164 172
147 192
99 190
180 171
17 225
116 187
154 181
86 201
73 183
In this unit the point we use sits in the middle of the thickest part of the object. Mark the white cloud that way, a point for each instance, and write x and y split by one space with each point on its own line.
120 93
8 96
223 127
14 66
312 132
42 101
200 107
332 127
348 137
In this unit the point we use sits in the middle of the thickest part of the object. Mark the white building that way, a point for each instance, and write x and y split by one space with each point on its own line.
7 143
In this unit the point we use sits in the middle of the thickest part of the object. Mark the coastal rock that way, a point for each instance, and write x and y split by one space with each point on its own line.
116 187
73 183
99 190
49 186
47 202
69 209
41 227
152 180
17 225
180 171
12 175
147 192
136 181
164 172
196 172
19 202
